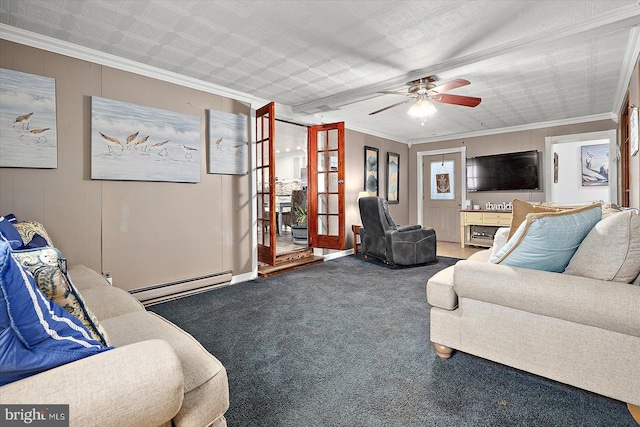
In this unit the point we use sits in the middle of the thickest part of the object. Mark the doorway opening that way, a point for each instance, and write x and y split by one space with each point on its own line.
291 188
581 167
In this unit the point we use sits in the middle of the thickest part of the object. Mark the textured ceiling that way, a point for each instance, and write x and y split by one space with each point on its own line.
530 61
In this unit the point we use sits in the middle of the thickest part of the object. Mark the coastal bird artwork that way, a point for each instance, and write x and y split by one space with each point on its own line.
22 120
188 150
131 137
219 144
140 144
35 133
111 142
161 146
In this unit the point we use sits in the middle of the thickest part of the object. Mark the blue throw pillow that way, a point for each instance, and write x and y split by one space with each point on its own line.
9 233
35 333
547 241
37 241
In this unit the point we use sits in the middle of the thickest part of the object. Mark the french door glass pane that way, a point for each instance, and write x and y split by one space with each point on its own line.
333 139
333 225
333 204
322 204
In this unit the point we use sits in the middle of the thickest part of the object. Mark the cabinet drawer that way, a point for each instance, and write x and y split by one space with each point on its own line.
497 218
473 217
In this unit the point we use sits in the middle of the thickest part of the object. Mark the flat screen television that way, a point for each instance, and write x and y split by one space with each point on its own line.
504 172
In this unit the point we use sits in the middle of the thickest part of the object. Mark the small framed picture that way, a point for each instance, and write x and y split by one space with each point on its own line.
393 177
371 170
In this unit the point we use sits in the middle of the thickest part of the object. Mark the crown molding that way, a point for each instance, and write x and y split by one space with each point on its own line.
519 128
630 61
50 44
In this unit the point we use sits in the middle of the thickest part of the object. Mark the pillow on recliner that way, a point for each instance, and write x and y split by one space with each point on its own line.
547 241
35 333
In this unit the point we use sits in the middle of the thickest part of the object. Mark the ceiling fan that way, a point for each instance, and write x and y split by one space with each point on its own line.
423 91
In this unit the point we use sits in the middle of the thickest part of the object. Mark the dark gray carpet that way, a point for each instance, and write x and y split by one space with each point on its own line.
346 343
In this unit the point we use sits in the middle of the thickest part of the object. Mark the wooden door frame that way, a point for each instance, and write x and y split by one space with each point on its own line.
420 155
264 250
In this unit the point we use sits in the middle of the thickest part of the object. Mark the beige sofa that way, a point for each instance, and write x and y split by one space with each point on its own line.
576 330
156 375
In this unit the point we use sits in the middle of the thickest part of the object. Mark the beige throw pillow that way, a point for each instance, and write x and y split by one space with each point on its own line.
611 250
520 211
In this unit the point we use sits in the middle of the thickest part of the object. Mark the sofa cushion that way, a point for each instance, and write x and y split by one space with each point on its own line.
204 375
110 301
35 333
611 250
9 233
84 277
440 291
43 264
520 211
547 241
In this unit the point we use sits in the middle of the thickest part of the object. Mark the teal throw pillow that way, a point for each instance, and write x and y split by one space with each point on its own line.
547 241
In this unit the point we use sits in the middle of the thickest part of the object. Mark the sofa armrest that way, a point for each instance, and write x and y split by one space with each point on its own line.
403 228
608 305
138 384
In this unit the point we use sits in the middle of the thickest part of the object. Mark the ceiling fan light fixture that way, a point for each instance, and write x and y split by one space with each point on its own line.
422 108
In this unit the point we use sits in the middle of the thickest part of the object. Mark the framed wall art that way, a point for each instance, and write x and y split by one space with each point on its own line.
371 170
139 143
595 165
27 120
393 177
228 143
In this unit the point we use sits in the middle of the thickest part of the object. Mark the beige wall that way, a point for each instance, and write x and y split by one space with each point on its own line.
143 233
354 180
495 144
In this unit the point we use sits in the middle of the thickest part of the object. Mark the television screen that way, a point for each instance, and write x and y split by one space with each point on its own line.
499 172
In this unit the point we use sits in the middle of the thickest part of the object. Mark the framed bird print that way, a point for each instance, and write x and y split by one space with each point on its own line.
228 143
138 143
27 121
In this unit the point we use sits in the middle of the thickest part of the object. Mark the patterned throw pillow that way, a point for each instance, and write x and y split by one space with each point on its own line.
33 234
43 264
37 334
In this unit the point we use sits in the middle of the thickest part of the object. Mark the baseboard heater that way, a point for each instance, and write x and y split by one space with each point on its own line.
169 291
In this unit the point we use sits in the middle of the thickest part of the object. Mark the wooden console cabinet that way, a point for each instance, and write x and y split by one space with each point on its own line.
487 218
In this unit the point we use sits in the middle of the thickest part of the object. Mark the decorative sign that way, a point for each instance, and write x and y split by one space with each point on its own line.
442 180
505 206
442 183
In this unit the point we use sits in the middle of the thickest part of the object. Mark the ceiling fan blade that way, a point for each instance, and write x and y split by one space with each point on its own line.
465 101
453 84
390 106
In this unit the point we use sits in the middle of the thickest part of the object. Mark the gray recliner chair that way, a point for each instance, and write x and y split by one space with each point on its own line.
395 245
